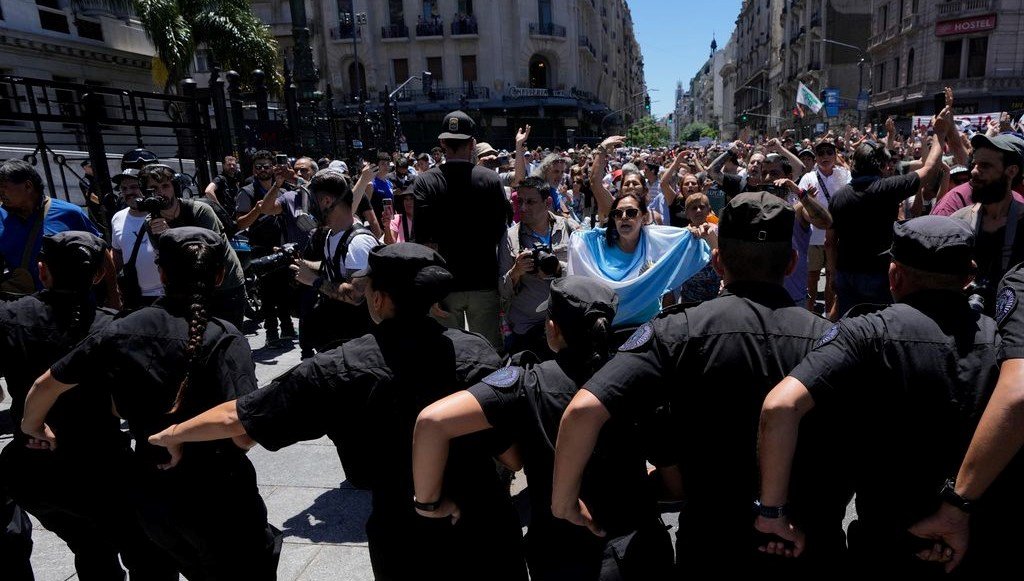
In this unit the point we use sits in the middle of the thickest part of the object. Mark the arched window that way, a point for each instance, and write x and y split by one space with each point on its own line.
540 72
354 88
910 67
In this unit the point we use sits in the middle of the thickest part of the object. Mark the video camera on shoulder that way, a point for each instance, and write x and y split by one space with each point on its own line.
276 261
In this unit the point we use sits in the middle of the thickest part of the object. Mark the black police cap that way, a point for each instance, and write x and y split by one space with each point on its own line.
170 247
757 217
407 266
576 298
457 125
72 248
938 244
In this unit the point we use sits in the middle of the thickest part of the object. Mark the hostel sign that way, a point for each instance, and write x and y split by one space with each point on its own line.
965 25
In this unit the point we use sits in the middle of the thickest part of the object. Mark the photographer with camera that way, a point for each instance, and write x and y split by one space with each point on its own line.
167 211
134 253
338 315
257 213
532 253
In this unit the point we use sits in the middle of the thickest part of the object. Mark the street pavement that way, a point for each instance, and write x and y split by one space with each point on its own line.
307 496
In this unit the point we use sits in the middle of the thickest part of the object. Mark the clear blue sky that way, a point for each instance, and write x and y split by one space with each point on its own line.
675 39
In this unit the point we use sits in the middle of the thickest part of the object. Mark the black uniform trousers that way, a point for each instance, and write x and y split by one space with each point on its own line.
82 498
208 515
275 296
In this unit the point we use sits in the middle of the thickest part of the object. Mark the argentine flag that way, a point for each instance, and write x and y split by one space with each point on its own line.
664 258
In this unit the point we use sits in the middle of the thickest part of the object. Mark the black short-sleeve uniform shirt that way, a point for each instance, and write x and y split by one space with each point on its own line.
913 379
714 363
366 395
527 404
35 332
863 213
462 208
141 359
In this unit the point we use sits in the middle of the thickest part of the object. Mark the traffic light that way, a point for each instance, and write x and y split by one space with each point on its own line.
744 118
647 103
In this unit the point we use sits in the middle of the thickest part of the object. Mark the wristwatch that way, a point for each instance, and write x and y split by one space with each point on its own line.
770 511
948 495
426 506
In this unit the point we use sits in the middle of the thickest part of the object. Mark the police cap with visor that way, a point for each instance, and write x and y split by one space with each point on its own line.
574 300
757 217
937 244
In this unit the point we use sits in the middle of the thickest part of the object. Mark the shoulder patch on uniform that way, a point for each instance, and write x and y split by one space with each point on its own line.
829 335
504 377
639 338
1005 304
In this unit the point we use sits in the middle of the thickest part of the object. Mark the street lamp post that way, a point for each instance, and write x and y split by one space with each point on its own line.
864 56
355 19
630 106
306 75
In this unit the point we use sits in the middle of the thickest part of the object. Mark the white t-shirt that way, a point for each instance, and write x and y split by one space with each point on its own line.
123 228
839 178
359 247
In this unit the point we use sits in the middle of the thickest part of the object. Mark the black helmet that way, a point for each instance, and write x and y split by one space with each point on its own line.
138 158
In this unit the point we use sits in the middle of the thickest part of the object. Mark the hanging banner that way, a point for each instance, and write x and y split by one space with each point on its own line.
978 120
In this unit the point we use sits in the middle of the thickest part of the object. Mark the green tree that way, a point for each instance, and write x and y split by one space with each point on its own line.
647 132
178 28
694 131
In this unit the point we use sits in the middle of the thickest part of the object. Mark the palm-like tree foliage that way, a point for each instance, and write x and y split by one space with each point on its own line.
178 28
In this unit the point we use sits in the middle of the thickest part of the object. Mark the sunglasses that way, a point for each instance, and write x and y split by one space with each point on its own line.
628 213
263 166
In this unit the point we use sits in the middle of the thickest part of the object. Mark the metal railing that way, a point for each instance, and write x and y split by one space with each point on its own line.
344 32
394 31
430 29
464 27
958 6
547 29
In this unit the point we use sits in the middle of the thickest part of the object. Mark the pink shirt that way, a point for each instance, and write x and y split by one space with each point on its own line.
960 197
396 228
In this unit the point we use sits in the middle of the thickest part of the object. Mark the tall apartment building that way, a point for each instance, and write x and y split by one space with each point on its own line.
757 21
558 65
822 43
917 47
48 39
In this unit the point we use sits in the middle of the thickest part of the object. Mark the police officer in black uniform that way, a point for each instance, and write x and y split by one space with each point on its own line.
76 491
714 363
980 502
162 364
526 402
912 378
367 394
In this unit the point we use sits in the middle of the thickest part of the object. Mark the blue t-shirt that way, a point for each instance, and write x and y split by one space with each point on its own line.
14 232
382 190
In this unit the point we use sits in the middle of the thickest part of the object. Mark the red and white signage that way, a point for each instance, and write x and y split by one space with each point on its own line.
965 25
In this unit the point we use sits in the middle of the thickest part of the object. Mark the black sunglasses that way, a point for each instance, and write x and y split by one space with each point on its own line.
630 213
263 166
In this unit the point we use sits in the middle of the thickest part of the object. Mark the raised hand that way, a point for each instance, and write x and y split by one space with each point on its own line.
521 136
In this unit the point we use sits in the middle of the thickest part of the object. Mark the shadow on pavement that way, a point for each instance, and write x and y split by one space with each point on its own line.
336 516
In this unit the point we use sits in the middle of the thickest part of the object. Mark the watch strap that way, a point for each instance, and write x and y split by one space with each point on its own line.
770 511
426 506
949 495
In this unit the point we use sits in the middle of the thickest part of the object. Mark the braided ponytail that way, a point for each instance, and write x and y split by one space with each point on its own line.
196 280
590 343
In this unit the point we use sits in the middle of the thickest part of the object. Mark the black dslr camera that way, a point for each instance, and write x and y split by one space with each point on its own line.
544 260
276 261
151 203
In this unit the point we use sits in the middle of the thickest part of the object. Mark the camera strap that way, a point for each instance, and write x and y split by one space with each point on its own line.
337 261
138 243
37 227
821 184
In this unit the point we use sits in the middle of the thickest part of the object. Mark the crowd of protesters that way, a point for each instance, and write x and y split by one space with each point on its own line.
412 274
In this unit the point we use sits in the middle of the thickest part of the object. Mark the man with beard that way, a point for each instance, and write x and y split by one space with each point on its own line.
224 187
995 216
228 301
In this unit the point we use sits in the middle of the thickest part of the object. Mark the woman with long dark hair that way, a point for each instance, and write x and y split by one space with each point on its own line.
162 364
639 260
90 515
527 403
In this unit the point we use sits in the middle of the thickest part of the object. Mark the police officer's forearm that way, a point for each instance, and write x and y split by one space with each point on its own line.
456 415
777 437
40 398
999 436
577 435
217 423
